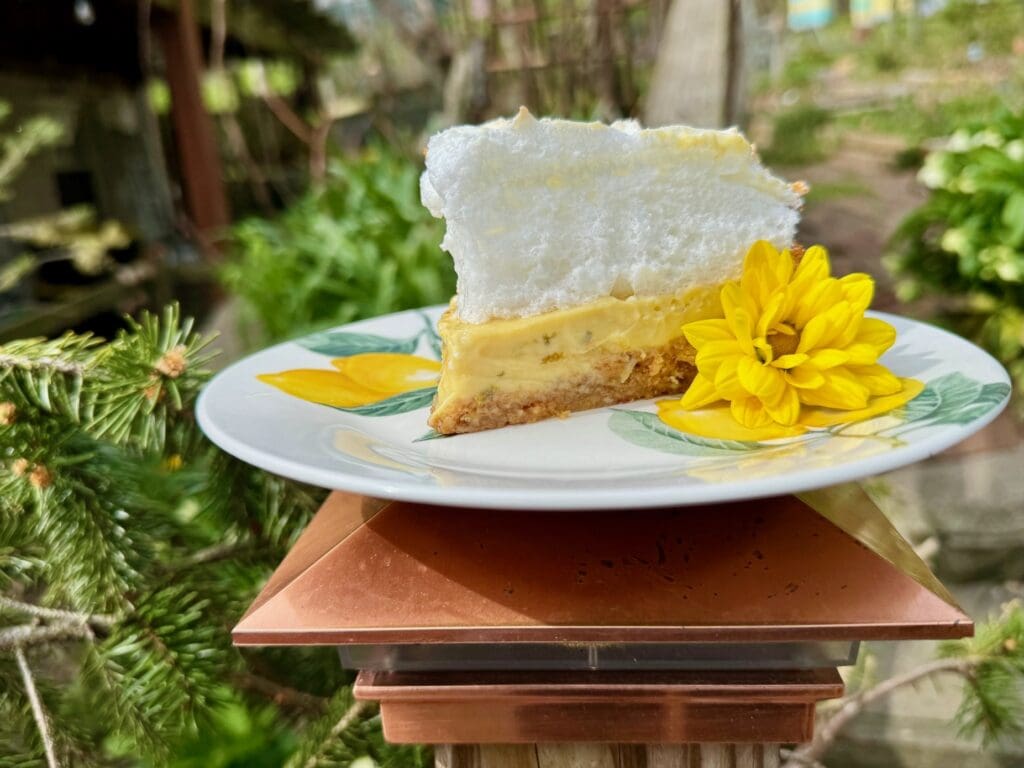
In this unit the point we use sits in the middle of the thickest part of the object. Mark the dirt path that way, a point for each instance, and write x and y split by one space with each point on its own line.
858 199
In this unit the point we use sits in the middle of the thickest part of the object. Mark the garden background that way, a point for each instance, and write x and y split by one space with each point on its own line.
254 166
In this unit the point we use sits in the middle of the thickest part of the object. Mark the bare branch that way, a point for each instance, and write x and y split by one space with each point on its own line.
852 706
98 620
281 695
40 363
352 714
287 116
42 721
24 635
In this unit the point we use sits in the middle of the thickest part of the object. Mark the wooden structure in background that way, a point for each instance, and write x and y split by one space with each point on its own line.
572 57
589 595
698 74
202 179
119 158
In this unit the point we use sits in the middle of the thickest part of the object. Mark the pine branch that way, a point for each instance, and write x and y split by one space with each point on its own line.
39 611
160 669
24 635
41 718
351 716
212 554
282 695
326 742
153 372
48 374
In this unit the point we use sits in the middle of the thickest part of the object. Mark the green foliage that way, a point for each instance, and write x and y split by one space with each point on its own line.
17 146
361 245
129 546
328 745
967 240
796 136
237 736
917 120
806 63
993 704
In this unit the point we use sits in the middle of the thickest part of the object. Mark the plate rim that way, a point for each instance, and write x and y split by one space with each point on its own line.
577 498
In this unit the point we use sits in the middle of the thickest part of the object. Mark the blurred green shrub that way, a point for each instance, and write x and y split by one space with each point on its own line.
967 240
797 136
358 246
806 63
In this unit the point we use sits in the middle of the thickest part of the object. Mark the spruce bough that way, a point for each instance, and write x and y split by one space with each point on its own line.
129 546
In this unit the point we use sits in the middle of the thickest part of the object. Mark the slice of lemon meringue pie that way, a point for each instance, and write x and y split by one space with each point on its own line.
581 250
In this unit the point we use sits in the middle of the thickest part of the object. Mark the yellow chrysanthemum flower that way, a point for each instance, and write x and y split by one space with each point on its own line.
792 336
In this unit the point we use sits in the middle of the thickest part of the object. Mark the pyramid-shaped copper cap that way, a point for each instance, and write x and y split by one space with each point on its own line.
769 570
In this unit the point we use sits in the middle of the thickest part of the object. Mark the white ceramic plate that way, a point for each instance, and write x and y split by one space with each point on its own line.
620 457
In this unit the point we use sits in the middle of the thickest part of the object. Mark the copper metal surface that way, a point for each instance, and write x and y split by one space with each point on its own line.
636 707
758 571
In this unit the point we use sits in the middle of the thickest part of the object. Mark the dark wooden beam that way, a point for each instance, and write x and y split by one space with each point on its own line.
194 136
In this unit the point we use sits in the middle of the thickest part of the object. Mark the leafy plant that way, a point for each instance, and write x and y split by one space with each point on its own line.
967 240
359 246
16 147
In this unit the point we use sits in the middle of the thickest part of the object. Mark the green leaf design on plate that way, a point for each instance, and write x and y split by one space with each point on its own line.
989 397
922 406
346 344
963 399
956 391
648 431
430 434
432 336
401 403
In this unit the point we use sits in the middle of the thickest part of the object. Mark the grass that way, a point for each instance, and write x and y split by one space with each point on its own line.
836 190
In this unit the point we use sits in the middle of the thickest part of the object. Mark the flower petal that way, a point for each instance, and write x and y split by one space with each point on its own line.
740 315
813 268
771 315
841 390
823 359
804 377
765 270
701 392
877 378
760 380
859 290
785 410
815 300
822 329
790 361
701 332
717 423
750 412
861 354
877 333
727 382
712 354
821 417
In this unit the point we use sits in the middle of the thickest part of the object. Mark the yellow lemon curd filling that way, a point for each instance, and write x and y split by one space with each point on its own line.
530 353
